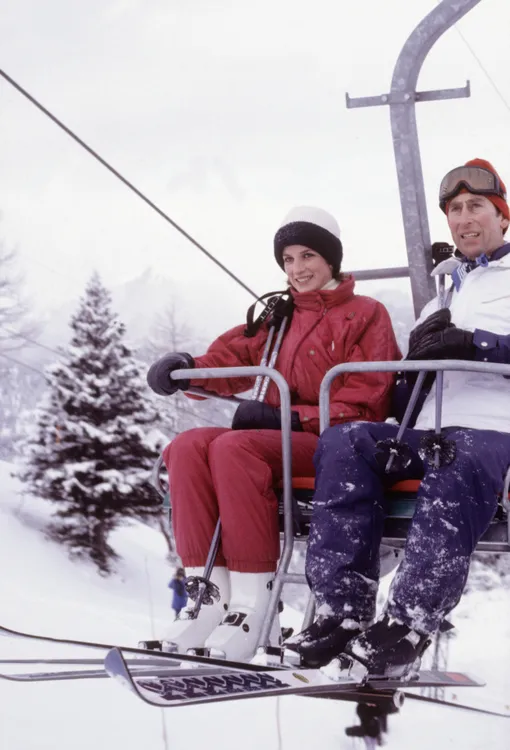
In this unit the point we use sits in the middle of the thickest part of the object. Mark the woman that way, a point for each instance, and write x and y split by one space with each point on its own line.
230 473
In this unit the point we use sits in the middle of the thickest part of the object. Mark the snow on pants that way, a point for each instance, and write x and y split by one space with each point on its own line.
216 472
455 505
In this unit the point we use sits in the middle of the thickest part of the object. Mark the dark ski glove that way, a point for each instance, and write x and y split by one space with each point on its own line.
451 343
158 376
436 322
256 415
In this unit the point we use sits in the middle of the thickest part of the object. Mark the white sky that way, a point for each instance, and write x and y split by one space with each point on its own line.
226 114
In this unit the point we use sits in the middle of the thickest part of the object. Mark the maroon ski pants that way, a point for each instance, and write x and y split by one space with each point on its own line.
216 472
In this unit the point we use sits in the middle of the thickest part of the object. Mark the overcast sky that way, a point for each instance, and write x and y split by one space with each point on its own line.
226 113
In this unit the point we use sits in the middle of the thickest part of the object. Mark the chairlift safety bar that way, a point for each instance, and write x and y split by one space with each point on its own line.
400 366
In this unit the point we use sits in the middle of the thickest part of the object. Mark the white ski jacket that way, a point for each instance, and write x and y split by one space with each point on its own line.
471 399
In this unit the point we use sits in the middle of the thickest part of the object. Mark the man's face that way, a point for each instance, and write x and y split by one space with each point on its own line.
475 225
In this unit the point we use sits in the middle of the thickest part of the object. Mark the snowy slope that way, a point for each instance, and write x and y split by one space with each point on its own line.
43 591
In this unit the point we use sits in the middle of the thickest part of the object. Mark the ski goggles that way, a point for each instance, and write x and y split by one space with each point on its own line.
474 179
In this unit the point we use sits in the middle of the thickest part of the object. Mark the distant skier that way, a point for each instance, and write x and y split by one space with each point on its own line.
180 597
232 472
457 501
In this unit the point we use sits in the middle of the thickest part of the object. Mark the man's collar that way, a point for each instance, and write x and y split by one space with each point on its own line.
500 252
483 259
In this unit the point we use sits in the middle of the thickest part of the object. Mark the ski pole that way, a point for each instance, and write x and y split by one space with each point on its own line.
204 582
439 385
441 251
414 398
202 585
272 361
406 419
263 362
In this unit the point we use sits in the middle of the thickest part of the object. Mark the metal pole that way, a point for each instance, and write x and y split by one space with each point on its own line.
406 145
401 100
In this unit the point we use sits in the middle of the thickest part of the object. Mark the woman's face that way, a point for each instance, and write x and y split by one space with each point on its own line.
307 270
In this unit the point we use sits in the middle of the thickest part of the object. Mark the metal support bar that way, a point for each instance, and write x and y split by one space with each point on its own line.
407 96
309 615
398 272
441 94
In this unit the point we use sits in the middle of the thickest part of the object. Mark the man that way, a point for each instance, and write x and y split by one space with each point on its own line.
457 500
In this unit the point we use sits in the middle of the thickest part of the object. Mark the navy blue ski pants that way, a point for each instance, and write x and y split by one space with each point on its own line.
455 505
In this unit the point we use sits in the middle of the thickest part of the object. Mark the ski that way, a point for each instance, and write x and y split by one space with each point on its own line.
491 707
179 690
84 662
212 665
178 658
137 667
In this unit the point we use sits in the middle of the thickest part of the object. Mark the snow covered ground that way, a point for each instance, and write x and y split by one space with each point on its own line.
42 591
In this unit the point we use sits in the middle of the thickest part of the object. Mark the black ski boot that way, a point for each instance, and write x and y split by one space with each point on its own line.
325 639
388 649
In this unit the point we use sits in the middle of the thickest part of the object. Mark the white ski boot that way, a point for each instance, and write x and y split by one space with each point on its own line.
185 632
237 637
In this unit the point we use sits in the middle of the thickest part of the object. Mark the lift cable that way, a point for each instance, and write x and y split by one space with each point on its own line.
126 182
482 66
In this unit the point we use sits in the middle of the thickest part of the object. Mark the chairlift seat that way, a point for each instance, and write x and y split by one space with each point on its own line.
401 506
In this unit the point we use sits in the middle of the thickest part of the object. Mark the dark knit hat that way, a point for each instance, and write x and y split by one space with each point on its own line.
313 228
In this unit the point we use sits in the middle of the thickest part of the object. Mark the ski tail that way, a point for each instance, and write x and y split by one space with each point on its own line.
485 706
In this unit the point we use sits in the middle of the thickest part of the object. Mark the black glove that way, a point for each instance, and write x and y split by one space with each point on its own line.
451 343
158 376
256 415
438 321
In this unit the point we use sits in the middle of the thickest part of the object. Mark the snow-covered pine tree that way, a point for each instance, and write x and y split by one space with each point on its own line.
94 445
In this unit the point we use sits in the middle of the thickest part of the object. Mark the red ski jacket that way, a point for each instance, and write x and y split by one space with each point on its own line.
327 328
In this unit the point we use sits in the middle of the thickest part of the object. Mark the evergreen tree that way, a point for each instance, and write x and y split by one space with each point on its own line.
91 452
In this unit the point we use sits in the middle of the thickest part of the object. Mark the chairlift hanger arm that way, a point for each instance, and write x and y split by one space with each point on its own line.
401 100
406 144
